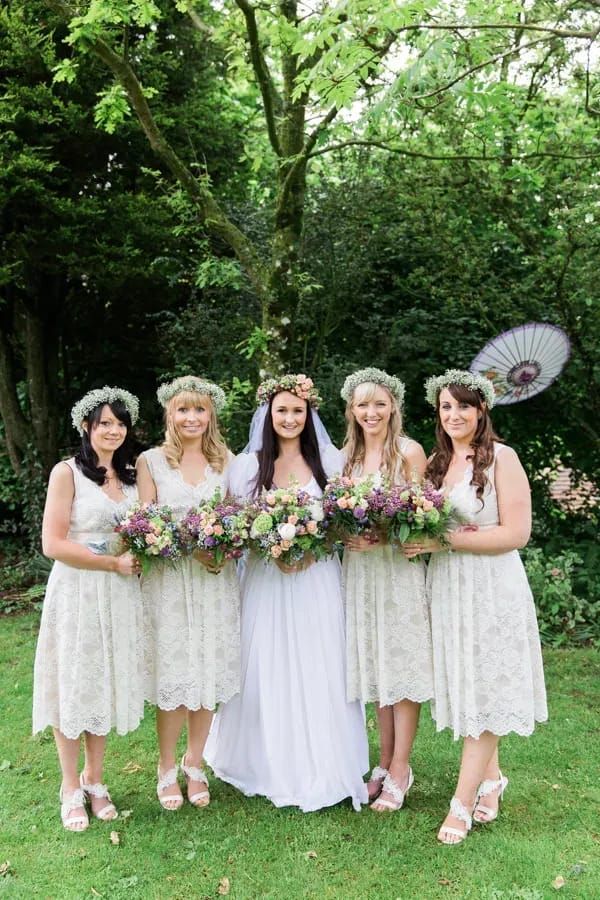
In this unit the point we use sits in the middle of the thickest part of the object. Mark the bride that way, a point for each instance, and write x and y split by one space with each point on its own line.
290 734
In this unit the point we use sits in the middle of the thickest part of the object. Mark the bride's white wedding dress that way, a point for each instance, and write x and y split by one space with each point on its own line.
290 733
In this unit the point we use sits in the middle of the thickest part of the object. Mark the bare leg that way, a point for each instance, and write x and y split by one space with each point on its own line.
477 755
68 757
168 727
405 721
199 722
95 745
385 718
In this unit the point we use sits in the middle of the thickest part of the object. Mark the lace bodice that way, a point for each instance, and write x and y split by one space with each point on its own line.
357 469
172 490
94 514
464 497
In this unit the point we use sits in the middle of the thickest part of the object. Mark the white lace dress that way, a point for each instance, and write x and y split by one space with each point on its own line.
291 735
191 617
388 633
88 662
486 649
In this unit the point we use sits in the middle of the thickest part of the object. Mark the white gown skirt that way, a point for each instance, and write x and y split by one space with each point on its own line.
291 735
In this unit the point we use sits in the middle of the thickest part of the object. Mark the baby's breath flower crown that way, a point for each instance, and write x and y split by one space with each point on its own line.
374 376
300 385
105 394
473 382
170 389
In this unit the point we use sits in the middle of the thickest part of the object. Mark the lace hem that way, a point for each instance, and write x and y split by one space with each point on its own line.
169 704
74 731
474 728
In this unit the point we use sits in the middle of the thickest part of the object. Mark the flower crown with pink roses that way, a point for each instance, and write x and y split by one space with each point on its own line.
300 385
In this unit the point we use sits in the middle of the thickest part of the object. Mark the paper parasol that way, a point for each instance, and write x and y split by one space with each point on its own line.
524 361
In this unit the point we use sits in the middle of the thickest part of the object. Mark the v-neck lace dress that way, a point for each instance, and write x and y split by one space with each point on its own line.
191 617
487 661
388 631
291 735
88 663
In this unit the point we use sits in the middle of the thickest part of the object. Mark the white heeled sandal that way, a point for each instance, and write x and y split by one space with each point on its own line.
69 802
391 787
100 791
377 778
459 812
164 781
193 773
484 790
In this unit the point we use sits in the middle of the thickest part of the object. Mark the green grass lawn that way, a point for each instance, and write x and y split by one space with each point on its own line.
549 825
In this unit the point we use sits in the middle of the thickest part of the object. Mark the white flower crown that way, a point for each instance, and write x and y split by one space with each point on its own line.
376 376
470 380
98 396
170 389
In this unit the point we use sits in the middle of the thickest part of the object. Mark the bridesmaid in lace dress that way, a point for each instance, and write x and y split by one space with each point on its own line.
191 610
87 676
387 620
488 676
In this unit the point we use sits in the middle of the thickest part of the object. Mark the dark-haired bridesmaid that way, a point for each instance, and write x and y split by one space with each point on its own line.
487 662
88 664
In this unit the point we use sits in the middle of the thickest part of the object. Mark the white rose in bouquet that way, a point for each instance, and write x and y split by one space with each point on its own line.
287 532
316 511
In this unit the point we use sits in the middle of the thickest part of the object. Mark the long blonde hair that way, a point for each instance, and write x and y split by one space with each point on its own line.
393 461
214 447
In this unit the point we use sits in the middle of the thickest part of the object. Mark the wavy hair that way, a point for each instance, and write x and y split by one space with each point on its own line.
482 443
214 447
86 458
393 460
309 447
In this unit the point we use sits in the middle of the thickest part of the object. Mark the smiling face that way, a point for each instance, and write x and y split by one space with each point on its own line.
458 418
190 414
288 414
372 408
107 433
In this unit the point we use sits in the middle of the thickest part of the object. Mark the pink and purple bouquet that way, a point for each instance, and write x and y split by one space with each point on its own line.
352 507
414 511
288 524
150 533
220 527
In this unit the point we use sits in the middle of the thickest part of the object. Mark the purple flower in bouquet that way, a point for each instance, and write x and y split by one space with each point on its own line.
150 533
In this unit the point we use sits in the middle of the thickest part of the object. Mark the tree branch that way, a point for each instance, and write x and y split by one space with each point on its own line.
483 157
476 68
302 158
270 97
213 216
503 26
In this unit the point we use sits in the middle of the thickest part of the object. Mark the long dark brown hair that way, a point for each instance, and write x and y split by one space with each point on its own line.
86 458
482 443
309 447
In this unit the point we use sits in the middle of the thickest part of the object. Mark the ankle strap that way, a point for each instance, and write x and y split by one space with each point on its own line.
193 772
95 790
489 785
167 779
71 801
378 773
458 810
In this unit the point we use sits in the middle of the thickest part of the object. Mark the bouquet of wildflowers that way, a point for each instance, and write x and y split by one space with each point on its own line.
288 524
352 507
414 511
221 527
150 533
